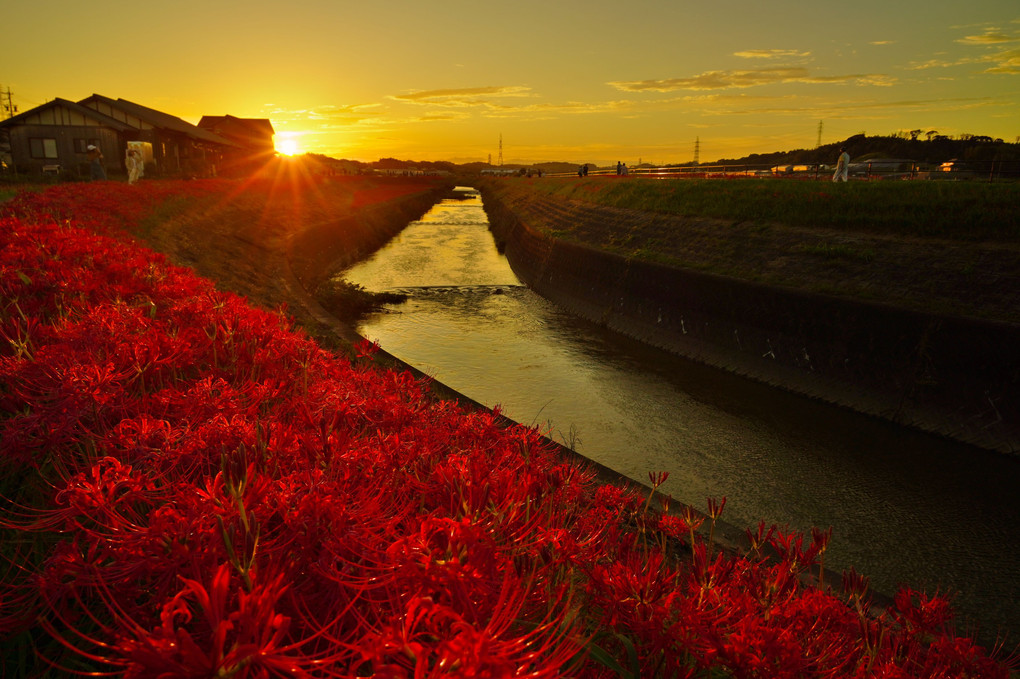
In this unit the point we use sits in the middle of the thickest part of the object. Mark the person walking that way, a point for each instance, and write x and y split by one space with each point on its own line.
134 165
842 166
96 169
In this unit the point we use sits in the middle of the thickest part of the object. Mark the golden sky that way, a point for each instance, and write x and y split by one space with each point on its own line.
577 81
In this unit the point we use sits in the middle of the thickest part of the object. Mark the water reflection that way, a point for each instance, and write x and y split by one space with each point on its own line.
905 507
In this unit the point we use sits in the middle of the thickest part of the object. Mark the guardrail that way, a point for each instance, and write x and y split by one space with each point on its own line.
866 170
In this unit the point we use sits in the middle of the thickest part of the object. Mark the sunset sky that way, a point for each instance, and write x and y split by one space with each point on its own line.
592 81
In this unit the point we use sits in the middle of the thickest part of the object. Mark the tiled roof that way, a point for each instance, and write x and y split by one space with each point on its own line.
256 126
159 119
77 108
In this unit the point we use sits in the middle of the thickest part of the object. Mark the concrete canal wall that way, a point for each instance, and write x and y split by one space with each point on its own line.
954 377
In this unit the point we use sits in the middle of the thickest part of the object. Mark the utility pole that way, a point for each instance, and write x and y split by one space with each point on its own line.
501 149
8 103
697 149
819 144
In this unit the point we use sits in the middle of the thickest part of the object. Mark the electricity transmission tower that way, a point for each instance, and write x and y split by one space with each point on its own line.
697 149
819 144
501 149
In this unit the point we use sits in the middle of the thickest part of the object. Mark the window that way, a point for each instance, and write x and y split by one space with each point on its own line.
42 148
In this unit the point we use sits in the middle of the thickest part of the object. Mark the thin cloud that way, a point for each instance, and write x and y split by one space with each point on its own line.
938 63
720 80
990 37
882 42
440 117
468 96
863 109
1007 61
334 115
545 111
770 54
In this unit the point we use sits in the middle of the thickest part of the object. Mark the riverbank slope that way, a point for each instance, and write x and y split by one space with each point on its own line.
917 329
277 247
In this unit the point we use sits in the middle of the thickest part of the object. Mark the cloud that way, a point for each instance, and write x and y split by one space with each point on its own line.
770 54
934 63
882 42
468 96
440 117
1004 60
350 114
875 109
719 80
989 38
1007 61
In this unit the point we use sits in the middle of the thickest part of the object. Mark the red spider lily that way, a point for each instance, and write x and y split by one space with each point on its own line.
219 629
427 639
715 507
192 487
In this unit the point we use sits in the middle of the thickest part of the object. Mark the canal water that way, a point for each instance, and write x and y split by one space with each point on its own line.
905 508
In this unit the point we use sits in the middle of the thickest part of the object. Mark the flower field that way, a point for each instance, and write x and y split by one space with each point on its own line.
191 487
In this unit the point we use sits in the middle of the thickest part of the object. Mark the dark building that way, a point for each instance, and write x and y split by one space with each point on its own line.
252 137
53 138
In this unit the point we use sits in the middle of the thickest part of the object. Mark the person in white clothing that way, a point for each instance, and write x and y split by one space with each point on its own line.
842 166
135 165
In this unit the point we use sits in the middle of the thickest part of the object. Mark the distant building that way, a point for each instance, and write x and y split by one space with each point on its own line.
53 138
252 137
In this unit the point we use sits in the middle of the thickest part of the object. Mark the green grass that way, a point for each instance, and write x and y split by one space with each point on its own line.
964 211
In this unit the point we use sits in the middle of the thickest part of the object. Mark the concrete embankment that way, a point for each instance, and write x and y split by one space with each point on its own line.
955 377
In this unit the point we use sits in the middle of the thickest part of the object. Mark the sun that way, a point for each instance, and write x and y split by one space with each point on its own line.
288 147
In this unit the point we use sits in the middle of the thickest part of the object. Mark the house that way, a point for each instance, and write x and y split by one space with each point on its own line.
54 138
178 147
253 138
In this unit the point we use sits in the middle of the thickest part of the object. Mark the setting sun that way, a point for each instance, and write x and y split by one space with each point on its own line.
287 147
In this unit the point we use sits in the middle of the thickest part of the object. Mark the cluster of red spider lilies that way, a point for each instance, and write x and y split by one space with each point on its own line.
191 487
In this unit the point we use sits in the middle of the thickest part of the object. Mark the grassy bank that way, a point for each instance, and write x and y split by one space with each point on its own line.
937 247
959 211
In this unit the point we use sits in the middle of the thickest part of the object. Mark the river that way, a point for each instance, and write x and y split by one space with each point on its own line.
905 507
